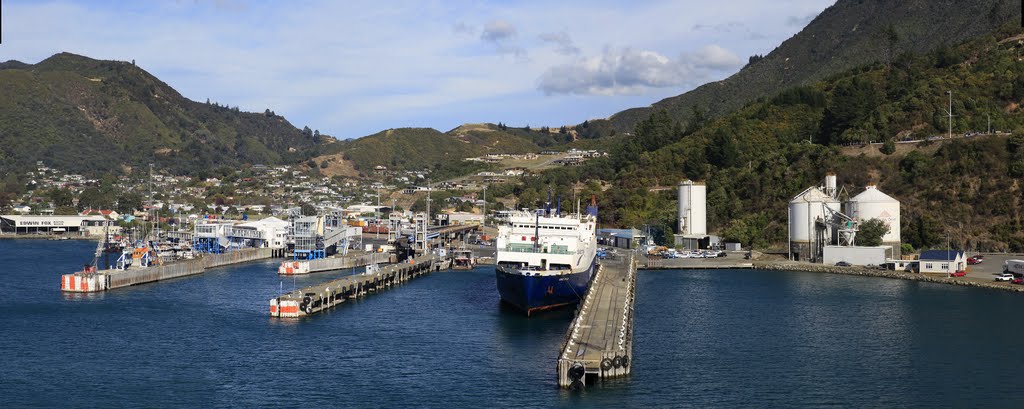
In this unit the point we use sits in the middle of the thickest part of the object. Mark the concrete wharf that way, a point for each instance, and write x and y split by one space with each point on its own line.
103 280
599 342
320 297
299 267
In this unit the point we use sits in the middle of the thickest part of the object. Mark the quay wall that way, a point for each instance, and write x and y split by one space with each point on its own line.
899 275
111 279
299 267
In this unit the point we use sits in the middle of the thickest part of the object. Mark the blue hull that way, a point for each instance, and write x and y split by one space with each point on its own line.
538 293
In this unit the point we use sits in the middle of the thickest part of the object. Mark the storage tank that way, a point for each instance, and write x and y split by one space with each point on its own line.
692 208
830 184
804 210
873 204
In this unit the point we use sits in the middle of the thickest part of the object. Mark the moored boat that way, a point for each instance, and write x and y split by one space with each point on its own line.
546 260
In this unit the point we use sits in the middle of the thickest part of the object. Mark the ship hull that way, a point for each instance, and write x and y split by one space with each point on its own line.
536 293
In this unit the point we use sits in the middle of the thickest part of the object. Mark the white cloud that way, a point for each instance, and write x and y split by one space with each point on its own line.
352 68
563 42
629 71
496 31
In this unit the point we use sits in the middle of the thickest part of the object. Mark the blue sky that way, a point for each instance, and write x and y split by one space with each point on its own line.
353 68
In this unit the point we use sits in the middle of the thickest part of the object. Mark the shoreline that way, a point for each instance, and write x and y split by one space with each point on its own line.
43 237
897 275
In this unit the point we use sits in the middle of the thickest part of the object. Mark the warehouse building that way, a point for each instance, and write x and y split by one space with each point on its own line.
56 225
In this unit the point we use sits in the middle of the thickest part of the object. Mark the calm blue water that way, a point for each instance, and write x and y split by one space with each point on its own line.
703 339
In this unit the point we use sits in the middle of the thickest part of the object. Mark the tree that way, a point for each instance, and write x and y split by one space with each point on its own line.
61 197
307 209
871 231
93 198
65 211
129 202
889 147
307 132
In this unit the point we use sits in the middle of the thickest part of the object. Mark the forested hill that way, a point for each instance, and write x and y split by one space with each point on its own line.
846 35
84 115
428 148
757 158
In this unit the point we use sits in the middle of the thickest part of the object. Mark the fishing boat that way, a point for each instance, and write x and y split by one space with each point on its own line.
462 259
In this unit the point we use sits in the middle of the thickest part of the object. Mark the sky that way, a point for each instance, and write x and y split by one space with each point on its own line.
353 68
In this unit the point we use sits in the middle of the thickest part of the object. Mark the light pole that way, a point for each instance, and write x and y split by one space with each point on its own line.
950 93
485 205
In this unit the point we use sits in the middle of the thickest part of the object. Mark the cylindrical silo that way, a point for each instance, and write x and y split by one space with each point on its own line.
873 204
805 210
830 184
692 208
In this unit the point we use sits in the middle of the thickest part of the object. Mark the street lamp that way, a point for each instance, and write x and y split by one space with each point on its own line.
950 93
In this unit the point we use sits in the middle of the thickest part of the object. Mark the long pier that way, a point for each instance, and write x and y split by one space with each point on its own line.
299 267
103 280
599 342
320 297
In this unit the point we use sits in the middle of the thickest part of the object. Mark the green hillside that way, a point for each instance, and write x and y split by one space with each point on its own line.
846 35
755 159
427 148
90 116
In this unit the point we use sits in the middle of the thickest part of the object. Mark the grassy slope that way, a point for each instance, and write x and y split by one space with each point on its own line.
88 115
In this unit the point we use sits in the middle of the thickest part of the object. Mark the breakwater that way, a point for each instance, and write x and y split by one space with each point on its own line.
103 280
899 275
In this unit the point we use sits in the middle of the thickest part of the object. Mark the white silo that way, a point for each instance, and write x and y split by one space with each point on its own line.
692 208
830 184
873 204
808 216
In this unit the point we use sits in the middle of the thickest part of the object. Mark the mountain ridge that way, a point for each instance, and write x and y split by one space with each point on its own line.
845 35
88 115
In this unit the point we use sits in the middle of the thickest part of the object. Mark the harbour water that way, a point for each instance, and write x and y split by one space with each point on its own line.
703 339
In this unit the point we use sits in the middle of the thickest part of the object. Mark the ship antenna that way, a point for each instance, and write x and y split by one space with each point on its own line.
536 231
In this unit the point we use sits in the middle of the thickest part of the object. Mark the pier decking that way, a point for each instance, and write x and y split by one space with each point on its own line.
320 297
599 342
104 280
299 267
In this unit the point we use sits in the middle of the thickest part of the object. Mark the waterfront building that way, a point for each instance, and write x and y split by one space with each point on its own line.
942 261
48 224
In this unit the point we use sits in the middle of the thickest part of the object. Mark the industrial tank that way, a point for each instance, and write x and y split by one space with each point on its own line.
692 208
873 204
804 209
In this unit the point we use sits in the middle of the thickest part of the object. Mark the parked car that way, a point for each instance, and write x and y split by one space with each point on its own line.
1018 280
1004 277
974 260
960 273
843 264
979 257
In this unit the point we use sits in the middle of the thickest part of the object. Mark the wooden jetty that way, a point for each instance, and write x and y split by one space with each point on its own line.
599 342
320 297
298 267
102 280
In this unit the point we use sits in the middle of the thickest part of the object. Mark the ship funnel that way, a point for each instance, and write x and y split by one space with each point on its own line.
592 208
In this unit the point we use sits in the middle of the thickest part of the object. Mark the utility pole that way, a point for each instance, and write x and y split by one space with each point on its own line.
485 205
989 115
150 200
950 93
426 221
376 214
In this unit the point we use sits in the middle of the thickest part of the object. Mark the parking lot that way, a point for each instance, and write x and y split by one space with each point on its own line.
992 265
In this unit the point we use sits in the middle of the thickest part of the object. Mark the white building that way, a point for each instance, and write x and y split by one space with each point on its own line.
38 224
942 261
275 231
